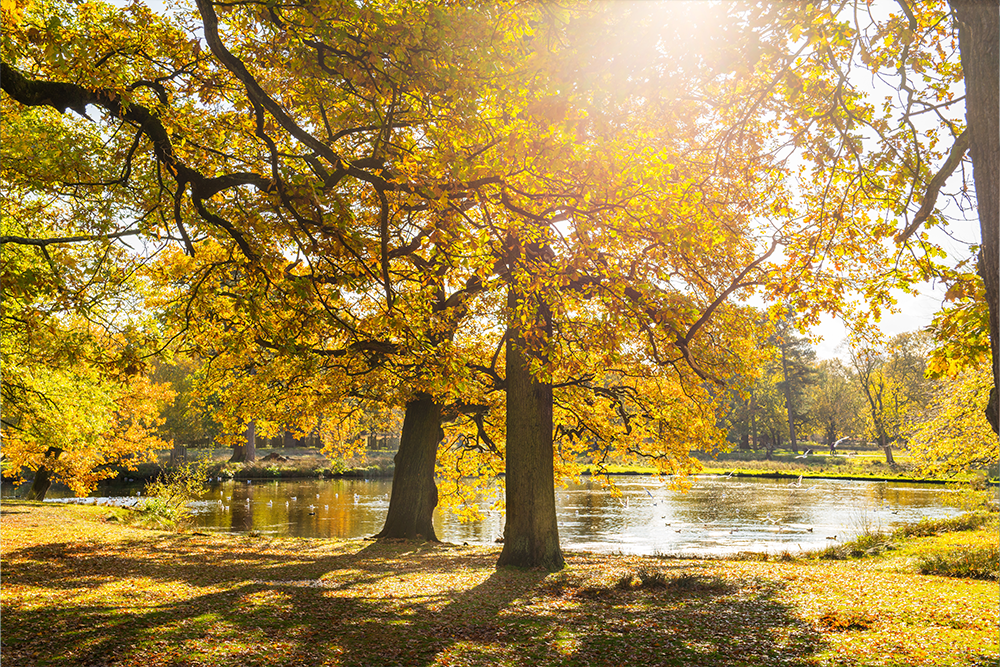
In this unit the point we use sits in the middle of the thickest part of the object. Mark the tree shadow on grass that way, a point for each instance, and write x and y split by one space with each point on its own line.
691 620
366 604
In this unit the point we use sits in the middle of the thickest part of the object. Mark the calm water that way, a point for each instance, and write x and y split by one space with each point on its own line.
717 515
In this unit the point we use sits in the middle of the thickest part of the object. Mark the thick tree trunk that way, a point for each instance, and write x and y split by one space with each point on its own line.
246 452
531 535
43 478
414 493
979 39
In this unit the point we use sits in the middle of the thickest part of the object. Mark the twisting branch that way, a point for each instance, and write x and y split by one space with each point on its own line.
62 95
257 94
934 187
735 284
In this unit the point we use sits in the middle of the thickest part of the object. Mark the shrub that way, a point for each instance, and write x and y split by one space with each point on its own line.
971 563
166 503
652 578
871 544
928 527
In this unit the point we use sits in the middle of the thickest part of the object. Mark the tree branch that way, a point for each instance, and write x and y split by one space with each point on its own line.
41 243
930 198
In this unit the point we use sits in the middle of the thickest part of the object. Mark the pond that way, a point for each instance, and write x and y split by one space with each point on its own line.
716 516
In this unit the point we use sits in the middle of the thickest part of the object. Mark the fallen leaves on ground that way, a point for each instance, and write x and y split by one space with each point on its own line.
77 590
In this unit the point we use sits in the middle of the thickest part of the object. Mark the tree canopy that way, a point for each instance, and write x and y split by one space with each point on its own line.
516 221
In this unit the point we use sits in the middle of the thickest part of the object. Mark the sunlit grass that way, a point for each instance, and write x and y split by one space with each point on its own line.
77 590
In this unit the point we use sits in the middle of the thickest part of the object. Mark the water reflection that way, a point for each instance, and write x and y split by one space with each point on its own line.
645 516
717 515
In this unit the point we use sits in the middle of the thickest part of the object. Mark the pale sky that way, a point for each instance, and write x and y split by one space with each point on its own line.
916 312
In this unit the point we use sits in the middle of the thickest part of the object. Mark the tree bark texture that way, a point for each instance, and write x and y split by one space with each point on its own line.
414 492
531 534
979 39
43 478
246 452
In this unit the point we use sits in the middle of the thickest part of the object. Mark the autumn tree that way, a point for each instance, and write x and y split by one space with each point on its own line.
76 394
836 397
363 187
952 435
891 375
885 107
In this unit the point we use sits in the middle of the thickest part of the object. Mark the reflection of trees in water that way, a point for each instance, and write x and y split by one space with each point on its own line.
595 510
588 511
241 514
733 501
903 494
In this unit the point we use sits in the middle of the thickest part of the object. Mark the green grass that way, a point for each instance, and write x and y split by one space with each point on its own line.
964 546
78 589
975 562
852 464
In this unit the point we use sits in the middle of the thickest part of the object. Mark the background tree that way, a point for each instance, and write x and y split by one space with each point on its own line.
891 375
798 374
838 406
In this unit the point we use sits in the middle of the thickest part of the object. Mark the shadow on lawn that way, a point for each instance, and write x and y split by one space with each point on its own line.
271 607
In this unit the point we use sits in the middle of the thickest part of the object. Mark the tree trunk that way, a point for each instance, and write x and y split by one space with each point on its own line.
414 493
979 39
43 478
883 441
246 452
788 402
753 420
531 535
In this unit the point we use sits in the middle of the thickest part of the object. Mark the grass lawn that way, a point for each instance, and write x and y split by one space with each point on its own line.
78 589
852 464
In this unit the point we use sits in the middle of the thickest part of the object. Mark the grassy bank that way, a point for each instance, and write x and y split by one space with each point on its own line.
293 464
78 589
785 464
